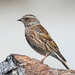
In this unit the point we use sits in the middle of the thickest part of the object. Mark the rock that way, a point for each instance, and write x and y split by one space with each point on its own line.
16 64
11 67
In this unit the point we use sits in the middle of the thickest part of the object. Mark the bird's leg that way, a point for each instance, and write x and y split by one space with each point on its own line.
47 54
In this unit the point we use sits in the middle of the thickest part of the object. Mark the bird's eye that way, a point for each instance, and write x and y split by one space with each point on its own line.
26 18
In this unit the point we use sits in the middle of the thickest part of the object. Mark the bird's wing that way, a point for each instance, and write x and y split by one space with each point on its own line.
44 36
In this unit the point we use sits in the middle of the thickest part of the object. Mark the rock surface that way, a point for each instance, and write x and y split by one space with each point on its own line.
16 64
11 67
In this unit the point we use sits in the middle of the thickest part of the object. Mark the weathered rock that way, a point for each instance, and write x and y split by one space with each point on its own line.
11 67
22 65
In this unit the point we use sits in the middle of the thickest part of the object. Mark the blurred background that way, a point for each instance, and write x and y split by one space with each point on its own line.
57 16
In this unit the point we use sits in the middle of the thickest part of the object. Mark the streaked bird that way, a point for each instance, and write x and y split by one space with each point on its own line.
40 40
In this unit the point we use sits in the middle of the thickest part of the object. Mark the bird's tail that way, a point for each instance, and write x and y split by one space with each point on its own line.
62 61
61 56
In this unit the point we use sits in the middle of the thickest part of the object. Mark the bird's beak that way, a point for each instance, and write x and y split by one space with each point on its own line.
19 20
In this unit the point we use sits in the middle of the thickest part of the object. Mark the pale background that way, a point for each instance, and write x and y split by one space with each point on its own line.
57 16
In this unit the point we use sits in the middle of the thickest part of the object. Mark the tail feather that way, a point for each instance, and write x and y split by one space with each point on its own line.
61 56
61 60
64 63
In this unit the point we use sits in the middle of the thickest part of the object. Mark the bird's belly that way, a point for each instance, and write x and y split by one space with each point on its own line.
38 47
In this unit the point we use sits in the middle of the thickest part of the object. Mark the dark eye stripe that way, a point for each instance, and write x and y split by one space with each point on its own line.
26 18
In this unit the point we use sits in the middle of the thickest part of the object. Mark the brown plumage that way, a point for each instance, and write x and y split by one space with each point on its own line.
40 40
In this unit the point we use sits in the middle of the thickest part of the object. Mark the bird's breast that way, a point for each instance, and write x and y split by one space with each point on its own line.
34 41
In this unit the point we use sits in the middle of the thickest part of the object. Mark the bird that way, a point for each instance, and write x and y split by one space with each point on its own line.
40 40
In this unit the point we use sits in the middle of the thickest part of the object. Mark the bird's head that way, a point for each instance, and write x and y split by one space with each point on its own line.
29 20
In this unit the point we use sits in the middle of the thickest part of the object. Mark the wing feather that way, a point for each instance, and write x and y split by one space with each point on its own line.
44 36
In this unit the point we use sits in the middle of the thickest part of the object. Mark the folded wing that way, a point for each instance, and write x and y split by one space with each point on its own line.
49 42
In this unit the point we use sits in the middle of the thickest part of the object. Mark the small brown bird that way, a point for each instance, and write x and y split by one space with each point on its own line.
40 40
